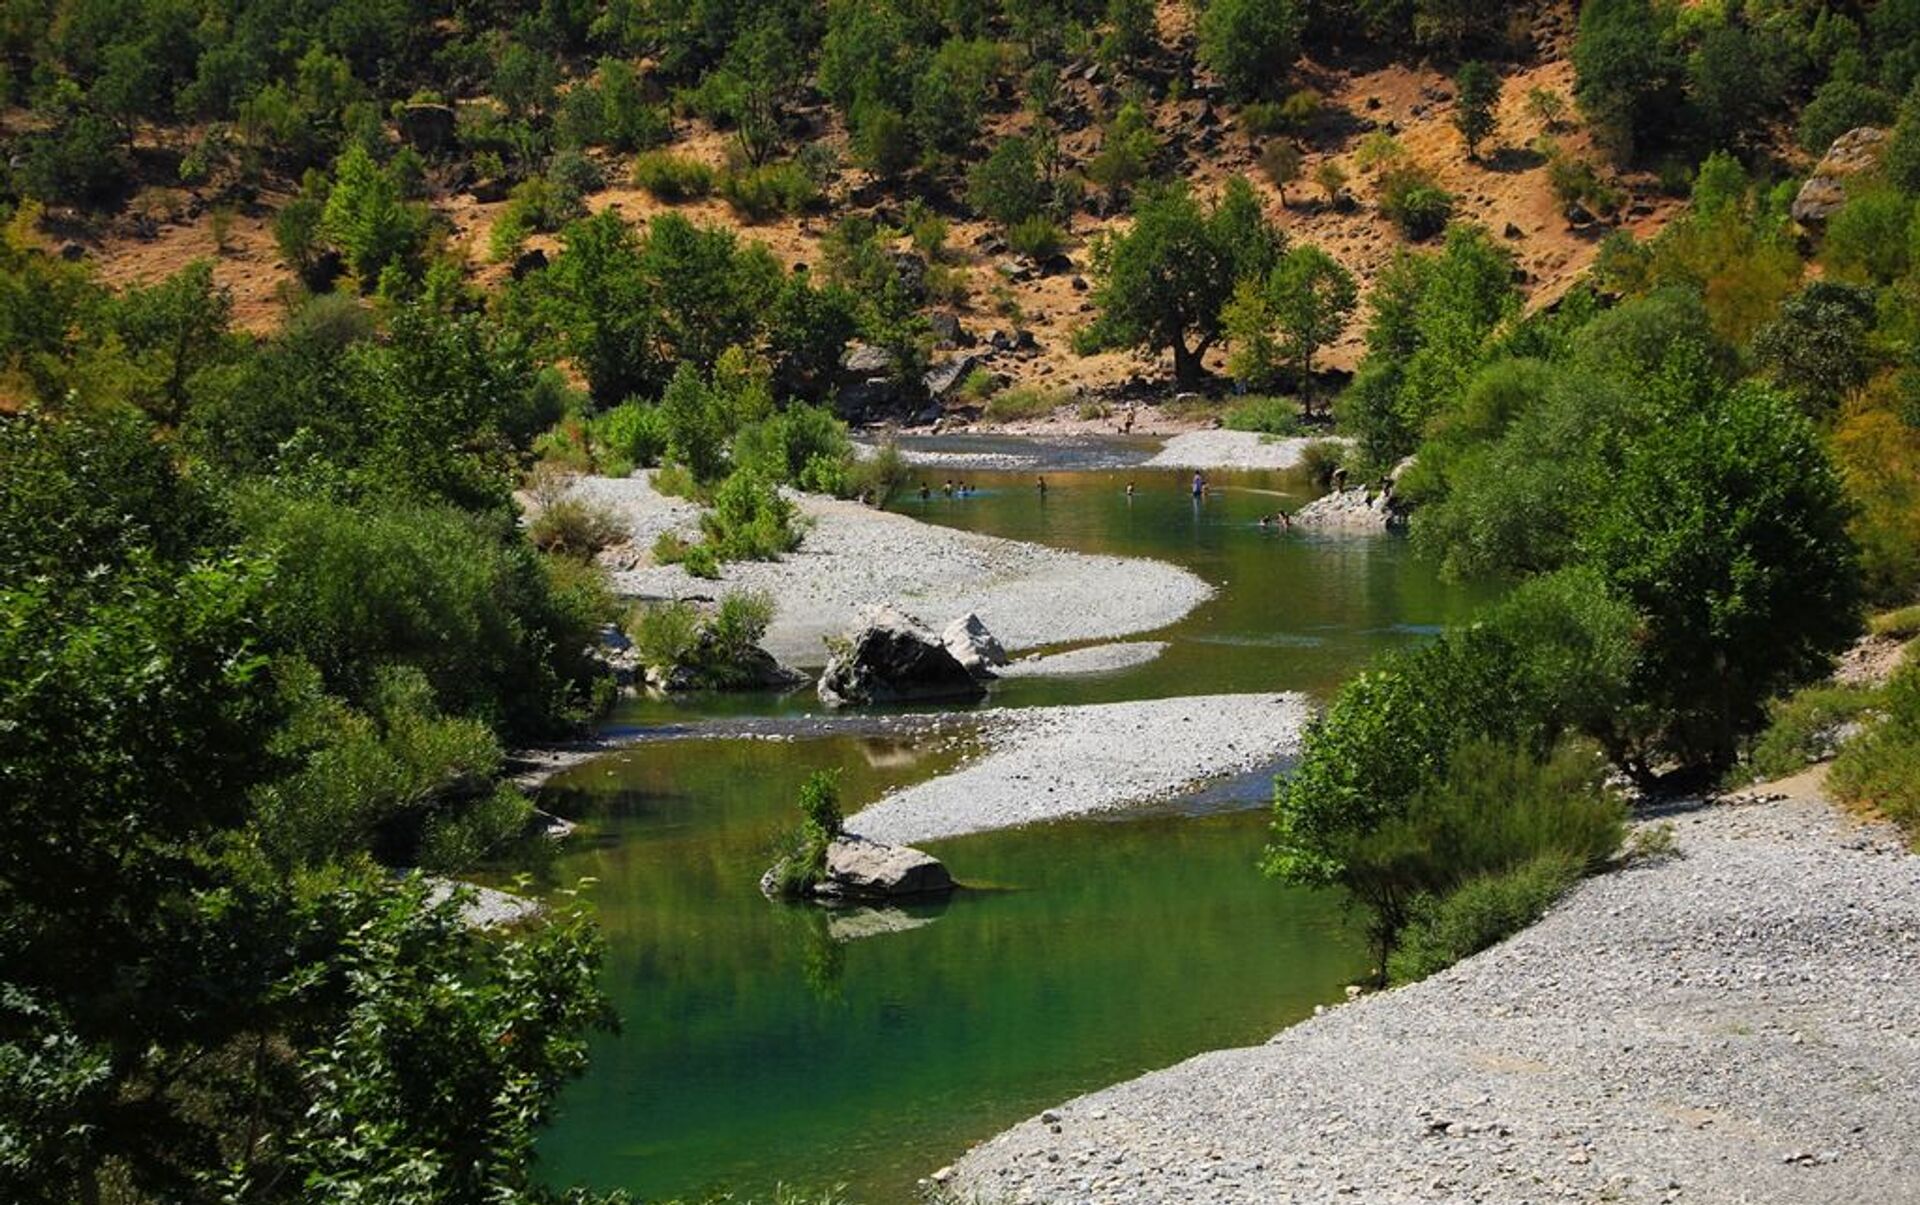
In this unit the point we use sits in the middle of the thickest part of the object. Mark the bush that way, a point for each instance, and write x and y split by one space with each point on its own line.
760 194
804 862
631 435
1414 202
1903 624
1881 770
1805 728
882 474
1271 415
1478 914
1024 402
575 527
749 520
1251 44
1036 237
1319 459
665 634
497 630
671 178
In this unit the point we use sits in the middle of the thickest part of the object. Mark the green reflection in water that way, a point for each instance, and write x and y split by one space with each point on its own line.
757 1047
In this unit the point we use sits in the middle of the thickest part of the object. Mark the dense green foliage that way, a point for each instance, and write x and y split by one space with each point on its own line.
265 622
1164 283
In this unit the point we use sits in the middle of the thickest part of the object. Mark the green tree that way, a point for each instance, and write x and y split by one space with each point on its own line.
1623 74
1312 297
1007 185
1251 44
1163 283
1818 349
176 329
1731 83
1477 88
1728 533
367 218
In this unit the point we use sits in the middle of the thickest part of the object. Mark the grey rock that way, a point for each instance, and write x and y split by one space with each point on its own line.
943 379
861 869
891 657
865 360
1856 151
973 646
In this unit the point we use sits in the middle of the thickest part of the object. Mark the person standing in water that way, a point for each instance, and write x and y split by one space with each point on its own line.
1199 485
1040 483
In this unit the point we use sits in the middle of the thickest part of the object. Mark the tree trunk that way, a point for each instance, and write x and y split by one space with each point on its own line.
1186 364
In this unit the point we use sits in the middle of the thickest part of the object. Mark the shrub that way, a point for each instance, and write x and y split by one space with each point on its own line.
575 527
1479 913
759 194
1037 237
1881 770
1903 624
882 474
629 436
1024 402
1007 186
749 520
804 861
1805 728
1280 164
665 634
1319 459
1271 415
671 178
1414 202
1251 44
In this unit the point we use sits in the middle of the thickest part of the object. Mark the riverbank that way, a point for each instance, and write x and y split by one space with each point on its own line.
1048 763
1204 450
1735 1023
854 556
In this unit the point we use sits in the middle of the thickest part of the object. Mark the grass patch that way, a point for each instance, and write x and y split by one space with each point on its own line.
1024 402
1903 624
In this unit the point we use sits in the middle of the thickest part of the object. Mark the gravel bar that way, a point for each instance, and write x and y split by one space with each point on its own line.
1739 1023
1099 659
1047 763
1231 450
853 555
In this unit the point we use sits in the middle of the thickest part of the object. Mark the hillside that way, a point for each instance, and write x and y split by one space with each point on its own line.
164 225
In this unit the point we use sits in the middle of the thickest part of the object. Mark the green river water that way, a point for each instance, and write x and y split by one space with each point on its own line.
762 1043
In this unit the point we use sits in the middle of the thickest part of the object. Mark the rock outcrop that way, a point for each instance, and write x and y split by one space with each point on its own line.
973 646
1856 151
892 658
1357 509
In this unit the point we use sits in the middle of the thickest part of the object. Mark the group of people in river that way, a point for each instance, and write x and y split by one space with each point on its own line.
949 488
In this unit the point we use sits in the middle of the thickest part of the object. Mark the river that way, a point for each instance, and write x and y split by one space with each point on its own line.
762 1043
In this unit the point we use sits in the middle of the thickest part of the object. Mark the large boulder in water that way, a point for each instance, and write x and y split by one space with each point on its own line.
892 658
973 646
861 869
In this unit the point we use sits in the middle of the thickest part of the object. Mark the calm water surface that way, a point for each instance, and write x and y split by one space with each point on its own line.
764 1043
